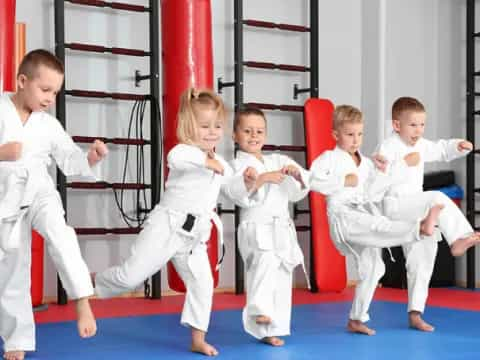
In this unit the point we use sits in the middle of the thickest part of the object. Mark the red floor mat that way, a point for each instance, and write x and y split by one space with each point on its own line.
120 307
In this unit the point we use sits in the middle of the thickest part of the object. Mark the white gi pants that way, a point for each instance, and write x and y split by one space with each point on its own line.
420 256
46 215
161 240
364 235
269 293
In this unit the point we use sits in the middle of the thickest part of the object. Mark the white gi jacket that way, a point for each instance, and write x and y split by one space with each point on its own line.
193 189
267 211
42 138
344 203
410 179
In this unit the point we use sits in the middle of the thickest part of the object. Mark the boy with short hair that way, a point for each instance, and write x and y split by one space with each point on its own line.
29 138
408 120
267 237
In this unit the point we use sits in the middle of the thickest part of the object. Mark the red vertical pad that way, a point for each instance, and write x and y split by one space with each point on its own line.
36 289
187 60
329 264
7 44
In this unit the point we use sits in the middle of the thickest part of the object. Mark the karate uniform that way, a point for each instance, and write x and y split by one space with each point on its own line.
268 244
29 199
406 200
178 229
357 226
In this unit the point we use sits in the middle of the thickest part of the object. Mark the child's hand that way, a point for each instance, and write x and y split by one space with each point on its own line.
465 145
214 165
12 151
412 159
272 177
211 154
293 171
351 180
98 150
380 162
250 176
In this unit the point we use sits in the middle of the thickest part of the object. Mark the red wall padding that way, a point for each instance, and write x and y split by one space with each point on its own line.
187 57
329 264
36 289
7 44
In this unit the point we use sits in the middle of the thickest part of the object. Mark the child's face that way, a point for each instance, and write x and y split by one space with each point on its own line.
349 137
39 92
209 128
411 126
250 134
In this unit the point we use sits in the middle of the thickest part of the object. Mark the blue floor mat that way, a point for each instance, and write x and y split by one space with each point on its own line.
318 332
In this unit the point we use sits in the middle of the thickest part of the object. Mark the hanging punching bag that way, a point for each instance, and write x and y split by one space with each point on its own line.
7 44
187 61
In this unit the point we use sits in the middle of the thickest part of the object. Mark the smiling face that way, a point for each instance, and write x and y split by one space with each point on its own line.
349 137
39 91
250 134
209 127
410 126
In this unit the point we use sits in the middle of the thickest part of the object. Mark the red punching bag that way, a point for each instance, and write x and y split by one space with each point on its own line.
187 61
7 44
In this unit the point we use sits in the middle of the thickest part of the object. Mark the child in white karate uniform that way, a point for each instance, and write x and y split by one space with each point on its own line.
179 226
29 139
354 188
406 199
267 235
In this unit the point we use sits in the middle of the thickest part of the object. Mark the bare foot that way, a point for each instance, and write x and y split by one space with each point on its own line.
86 324
199 344
460 246
427 226
416 322
356 326
263 319
14 355
273 340
204 348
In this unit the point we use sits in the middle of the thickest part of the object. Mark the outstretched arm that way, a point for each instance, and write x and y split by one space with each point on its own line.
446 150
70 158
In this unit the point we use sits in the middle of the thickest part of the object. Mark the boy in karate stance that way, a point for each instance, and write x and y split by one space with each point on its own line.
267 235
29 139
406 200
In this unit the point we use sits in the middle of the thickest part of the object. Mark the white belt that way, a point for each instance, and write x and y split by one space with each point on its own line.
15 205
276 222
210 215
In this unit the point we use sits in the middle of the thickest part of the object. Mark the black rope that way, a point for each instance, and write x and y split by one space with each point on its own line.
140 201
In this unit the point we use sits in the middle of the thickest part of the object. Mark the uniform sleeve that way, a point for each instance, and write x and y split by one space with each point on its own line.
396 167
68 156
234 188
293 188
377 183
184 157
442 150
322 177
387 151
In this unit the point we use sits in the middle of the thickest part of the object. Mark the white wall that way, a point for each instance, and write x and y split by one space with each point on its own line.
370 53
